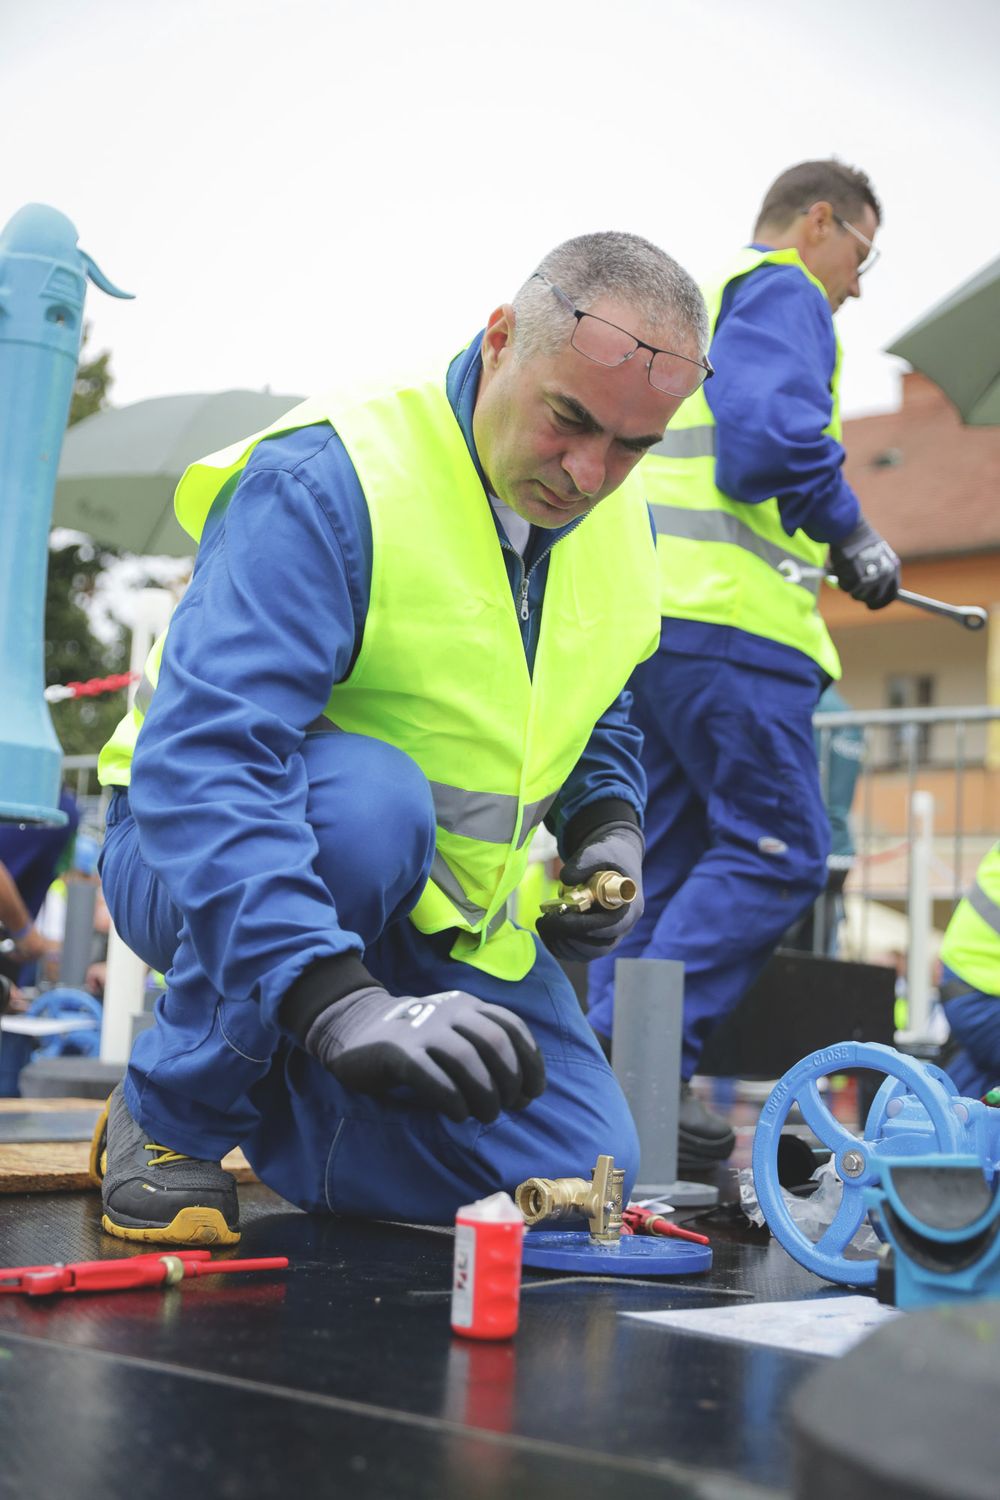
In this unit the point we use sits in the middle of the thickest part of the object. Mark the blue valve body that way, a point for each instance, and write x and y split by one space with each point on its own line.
939 1253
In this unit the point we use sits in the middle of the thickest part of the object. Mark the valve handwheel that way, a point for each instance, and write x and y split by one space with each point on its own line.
853 1156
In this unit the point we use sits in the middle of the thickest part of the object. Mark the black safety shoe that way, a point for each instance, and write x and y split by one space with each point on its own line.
152 1193
704 1139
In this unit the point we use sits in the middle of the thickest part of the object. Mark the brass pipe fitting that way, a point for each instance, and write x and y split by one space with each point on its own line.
612 890
600 1199
552 1198
606 889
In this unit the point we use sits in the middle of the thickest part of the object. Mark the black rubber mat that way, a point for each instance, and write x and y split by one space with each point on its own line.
346 1366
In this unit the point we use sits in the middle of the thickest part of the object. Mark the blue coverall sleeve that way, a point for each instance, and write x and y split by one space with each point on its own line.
218 790
774 354
608 768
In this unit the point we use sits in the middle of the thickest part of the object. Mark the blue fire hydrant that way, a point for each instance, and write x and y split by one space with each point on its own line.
43 283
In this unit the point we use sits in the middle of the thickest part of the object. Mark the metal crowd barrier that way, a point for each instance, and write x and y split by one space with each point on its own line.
914 759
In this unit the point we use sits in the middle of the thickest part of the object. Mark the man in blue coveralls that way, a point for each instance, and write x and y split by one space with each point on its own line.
400 652
970 982
749 499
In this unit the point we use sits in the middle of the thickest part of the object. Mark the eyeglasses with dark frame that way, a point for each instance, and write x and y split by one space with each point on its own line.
872 255
607 344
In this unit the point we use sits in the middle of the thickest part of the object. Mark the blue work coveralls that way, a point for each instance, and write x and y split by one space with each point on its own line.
972 1061
250 857
736 832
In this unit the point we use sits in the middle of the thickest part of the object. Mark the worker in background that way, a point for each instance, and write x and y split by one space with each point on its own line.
970 983
31 855
400 652
749 498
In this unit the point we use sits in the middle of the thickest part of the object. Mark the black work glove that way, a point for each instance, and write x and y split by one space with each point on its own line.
866 566
457 1054
585 935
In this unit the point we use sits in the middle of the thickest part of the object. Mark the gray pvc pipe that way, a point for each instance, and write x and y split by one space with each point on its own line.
646 1057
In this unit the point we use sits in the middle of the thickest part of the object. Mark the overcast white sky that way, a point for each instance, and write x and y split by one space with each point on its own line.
298 191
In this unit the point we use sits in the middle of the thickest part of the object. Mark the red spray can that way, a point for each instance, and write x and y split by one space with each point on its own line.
486 1286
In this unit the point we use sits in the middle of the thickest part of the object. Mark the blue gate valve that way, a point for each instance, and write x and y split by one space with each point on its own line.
916 1112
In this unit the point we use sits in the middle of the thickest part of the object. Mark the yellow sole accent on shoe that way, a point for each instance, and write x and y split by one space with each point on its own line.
98 1155
192 1226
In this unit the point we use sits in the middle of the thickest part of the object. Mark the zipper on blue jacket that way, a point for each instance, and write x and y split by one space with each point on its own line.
522 600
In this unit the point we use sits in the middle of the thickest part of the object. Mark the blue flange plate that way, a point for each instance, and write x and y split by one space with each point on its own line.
633 1255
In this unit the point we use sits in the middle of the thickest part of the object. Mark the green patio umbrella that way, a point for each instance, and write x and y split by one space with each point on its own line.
957 345
119 468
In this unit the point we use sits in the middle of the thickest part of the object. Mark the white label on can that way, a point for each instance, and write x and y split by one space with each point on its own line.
464 1280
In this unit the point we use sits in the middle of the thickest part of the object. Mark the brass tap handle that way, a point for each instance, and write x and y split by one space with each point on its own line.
607 889
607 1196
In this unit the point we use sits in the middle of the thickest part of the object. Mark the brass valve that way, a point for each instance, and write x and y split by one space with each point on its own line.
600 1199
607 889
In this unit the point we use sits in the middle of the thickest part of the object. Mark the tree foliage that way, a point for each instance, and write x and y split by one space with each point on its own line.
73 653
92 384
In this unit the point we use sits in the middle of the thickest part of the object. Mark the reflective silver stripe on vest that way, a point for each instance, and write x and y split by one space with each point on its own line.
534 812
446 881
485 816
496 921
687 442
143 695
720 526
444 878
984 906
489 817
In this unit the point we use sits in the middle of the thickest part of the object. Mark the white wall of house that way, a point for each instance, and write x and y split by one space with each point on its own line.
952 658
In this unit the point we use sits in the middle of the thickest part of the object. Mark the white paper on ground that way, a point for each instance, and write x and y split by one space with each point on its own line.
820 1325
25 1025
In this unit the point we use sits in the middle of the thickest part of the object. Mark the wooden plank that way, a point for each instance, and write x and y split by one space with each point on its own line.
62 1166
45 1106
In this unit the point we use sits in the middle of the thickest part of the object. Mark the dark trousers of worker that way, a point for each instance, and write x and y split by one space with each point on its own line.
212 1074
973 1062
736 832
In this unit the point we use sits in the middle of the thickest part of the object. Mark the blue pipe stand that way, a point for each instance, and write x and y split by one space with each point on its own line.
573 1250
43 283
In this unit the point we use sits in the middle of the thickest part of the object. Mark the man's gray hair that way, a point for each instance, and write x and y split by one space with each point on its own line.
609 264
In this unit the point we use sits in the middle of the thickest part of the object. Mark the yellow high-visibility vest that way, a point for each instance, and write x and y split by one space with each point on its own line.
441 672
720 558
971 946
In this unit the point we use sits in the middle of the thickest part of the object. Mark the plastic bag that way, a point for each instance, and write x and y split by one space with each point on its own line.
812 1215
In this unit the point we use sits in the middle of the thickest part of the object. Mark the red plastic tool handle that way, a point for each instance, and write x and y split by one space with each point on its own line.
121 1274
645 1221
97 1276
